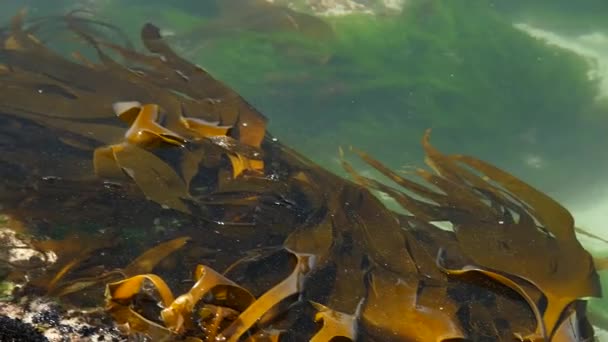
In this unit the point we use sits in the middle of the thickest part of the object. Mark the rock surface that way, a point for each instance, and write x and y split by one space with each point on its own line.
41 319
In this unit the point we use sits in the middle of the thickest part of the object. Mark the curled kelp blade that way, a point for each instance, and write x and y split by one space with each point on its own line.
157 180
120 296
380 230
194 106
575 326
555 261
486 217
335 324
198 93
146 130
177 315
291 285
249 124
219 290
392 311
71 252
153 256
422 210
141 265
541 330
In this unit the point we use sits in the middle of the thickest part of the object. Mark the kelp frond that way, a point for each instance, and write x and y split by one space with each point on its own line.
498 219
183 107
322 254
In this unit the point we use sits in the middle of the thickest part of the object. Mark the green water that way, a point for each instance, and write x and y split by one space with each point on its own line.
459 67
485 88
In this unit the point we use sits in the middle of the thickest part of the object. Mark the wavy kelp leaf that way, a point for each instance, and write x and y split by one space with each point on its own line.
191 161
204 128
195 100
415 187
574 326
71 252
556 263
250 125
496 225
177 314
379 229
392 312
218 289
540 334
291 285
102 133
335 324
105 165
422 210
241 164
81 284
120 296
312 239
141 265
145 129
155 178
150 258
205 97
232 146
250 128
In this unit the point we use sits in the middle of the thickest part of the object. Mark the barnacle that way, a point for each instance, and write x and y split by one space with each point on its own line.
280 248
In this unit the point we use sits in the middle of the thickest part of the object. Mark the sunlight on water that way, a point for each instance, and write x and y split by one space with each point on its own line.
593 46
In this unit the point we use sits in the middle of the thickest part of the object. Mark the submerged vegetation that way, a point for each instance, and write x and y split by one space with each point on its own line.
404 73
273 246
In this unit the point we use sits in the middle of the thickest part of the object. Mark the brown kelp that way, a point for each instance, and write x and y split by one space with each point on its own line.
280 248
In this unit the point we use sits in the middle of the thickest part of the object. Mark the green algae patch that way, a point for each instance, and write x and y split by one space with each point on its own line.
459 68
6 289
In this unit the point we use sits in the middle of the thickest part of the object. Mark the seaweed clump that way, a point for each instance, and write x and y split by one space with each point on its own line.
299 253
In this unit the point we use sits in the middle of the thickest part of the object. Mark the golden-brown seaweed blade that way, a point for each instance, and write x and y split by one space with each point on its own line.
157 180
556 263
119 297
379 267
391 311
285 289
335 324
491 238
178 316
250 124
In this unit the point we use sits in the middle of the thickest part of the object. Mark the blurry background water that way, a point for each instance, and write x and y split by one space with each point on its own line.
521 84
